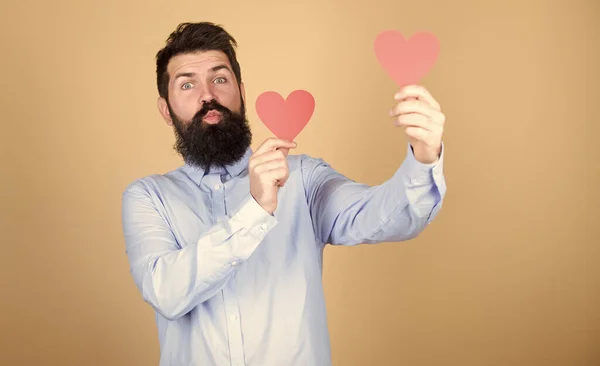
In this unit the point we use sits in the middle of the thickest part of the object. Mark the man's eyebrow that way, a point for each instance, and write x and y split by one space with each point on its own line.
219 67
193 74
184 75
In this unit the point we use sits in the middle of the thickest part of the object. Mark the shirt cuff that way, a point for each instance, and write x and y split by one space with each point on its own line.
254 219
421 173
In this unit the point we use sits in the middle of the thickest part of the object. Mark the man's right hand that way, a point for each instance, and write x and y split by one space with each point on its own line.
268 171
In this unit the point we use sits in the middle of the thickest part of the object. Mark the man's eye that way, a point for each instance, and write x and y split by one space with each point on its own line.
220 80
186 86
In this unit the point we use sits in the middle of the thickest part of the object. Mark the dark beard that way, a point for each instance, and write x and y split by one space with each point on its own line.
205 145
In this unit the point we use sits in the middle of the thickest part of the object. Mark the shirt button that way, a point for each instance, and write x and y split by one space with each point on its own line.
263 227
233 317
233 263
217 186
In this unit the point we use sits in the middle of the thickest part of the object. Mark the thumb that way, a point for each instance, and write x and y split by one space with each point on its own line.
285 150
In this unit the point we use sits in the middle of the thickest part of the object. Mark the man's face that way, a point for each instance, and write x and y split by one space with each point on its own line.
206 109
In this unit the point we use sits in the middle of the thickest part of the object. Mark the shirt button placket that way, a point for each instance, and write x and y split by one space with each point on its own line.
234 329
234 326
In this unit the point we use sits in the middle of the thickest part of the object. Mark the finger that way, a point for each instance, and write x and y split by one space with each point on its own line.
417 133
419 92
416 91
420 108
281 182
264 157
276 175
274 143
270 165
413 106
414 120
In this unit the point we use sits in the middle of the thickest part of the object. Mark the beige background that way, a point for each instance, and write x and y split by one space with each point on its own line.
508 273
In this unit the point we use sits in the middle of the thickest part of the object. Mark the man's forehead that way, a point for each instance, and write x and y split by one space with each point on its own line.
201 61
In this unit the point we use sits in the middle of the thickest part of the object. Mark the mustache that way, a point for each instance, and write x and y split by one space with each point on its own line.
207 107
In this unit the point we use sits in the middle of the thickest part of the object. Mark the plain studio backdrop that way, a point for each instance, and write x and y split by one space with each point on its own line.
508 274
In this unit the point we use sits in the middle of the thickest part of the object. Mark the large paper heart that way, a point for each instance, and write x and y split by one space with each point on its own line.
285 118
406 60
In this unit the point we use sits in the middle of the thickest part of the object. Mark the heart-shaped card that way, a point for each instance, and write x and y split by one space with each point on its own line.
286 118
406 60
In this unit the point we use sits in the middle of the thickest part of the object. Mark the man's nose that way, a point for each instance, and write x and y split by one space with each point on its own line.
207 95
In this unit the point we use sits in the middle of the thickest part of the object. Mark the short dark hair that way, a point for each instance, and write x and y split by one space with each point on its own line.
194 37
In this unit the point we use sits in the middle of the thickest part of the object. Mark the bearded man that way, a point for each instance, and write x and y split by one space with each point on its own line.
228 247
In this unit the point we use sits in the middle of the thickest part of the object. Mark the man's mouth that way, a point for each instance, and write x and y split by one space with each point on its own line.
212 117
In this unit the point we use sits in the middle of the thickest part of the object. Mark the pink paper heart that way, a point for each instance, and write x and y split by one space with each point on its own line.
285 118
407 61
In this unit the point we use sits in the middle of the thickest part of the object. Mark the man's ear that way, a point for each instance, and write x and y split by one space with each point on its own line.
243 92
163 109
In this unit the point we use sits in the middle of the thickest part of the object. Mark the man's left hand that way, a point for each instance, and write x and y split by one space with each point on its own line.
423 122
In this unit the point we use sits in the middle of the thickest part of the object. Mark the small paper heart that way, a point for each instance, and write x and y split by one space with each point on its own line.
406 61
285 118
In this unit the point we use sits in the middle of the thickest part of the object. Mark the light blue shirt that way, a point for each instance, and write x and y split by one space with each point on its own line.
234 285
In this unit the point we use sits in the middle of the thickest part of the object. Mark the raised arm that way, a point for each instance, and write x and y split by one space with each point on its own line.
347 213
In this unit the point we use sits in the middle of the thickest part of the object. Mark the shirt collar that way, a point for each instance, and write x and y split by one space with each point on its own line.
197 173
